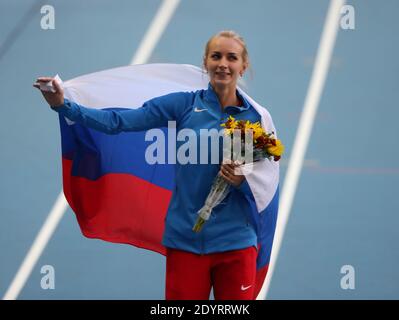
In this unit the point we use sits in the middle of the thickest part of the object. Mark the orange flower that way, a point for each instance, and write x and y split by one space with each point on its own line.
276 148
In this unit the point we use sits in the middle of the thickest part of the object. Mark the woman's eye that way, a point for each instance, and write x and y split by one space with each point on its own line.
218 56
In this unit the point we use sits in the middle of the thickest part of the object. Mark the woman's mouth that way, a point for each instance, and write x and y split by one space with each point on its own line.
222 74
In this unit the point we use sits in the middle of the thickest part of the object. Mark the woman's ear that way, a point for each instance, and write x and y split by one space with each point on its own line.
204 64
244 68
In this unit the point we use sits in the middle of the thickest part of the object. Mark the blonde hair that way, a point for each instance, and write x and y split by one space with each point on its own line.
232 35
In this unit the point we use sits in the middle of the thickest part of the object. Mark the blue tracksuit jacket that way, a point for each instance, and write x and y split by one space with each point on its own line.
229 227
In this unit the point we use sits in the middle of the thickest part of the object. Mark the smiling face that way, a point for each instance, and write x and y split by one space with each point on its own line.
225 61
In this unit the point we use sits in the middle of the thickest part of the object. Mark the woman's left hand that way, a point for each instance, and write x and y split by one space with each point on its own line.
227 172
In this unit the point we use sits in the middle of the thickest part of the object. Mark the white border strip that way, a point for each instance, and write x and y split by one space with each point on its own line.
295 164
147 45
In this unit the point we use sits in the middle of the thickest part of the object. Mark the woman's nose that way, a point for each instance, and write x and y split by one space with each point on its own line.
223 63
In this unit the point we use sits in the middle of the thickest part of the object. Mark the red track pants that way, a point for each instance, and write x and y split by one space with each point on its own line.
190 276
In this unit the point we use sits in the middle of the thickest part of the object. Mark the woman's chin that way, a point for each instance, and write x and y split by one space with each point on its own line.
222 82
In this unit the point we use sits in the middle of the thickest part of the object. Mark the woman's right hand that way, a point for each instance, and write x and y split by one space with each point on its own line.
54 99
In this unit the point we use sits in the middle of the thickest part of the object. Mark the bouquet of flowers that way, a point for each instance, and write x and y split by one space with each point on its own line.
262 145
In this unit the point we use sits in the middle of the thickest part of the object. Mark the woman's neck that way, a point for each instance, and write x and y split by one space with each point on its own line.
227 96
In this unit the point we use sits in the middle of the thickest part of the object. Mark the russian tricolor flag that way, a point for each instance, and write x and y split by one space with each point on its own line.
116 195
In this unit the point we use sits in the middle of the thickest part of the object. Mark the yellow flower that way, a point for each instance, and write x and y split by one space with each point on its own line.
230 125
276 150
228 131
229 122
258 132
256 128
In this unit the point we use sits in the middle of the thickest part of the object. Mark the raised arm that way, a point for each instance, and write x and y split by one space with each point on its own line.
154 113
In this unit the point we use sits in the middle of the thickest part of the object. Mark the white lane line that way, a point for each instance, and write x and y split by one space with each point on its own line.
37 248
147 45
295 164
155 31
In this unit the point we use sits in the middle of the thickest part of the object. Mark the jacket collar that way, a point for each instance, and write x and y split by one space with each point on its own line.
211 96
